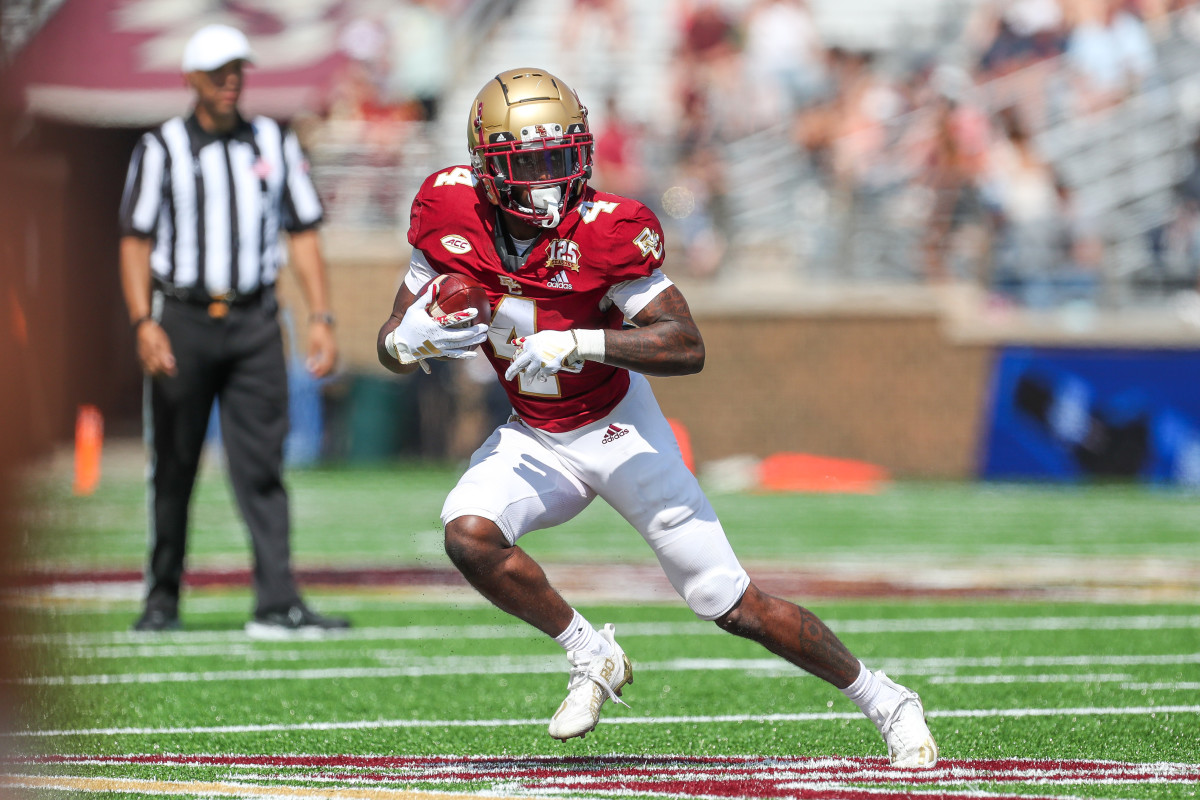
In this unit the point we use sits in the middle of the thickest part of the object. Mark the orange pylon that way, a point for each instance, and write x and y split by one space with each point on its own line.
685 443
89 442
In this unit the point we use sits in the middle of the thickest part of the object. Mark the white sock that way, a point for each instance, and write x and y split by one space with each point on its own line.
874 698
580 635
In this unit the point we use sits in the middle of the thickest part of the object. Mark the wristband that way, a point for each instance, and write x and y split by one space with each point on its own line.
589 344
137 323
324 317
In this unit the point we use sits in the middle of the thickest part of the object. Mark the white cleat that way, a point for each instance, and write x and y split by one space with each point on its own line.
593 680
910 744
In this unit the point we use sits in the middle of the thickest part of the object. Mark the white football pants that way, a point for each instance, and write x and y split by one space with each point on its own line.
525 479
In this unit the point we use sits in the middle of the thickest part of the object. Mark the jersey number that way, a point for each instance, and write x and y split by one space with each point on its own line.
459 176
512 318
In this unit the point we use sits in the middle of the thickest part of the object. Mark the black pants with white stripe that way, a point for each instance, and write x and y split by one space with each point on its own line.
238 360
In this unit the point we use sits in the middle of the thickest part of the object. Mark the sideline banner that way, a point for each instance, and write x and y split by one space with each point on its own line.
1069 415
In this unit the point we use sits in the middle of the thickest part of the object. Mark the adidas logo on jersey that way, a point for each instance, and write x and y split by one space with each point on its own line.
560 281
613 433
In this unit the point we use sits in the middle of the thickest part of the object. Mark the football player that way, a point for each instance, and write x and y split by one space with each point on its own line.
564 264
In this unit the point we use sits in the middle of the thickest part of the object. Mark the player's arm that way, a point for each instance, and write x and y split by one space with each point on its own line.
153 345
404 299
141 202
309 267
410 335
665 342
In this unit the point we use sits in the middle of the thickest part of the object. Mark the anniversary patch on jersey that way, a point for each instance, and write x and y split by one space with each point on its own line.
562 254
456 244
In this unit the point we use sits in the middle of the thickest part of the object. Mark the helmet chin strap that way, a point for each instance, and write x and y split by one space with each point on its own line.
546 199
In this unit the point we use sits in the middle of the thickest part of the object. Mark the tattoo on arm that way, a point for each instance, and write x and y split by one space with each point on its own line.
665 342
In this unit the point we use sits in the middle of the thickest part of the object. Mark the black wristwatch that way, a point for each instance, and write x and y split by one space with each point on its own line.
324 316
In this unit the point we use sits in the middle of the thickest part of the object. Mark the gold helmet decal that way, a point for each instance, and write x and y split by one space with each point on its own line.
530 144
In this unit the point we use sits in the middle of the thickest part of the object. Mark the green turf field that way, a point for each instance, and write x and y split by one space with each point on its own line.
1054 635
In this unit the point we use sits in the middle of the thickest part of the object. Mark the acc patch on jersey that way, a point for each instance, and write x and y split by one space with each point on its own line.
456 244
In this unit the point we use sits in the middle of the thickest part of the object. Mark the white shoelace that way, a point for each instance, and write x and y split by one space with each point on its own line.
581 673
905 697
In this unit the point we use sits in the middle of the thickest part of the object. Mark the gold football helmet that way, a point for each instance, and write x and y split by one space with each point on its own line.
530 144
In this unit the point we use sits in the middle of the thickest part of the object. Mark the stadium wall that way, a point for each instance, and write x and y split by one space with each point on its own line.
867 380
888 389
901 377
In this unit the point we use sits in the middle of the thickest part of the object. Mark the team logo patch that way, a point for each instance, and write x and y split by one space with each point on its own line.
456 244
562 254
649 242
613 433
541 130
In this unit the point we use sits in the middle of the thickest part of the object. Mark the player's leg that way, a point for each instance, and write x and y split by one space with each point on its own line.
642 476
799 636
254 424
176 411
512 486
515 485
505 574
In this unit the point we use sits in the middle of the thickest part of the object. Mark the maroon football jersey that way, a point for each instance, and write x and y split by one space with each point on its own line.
605 240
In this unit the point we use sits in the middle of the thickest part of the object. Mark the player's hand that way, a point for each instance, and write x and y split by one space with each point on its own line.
543 354
420 336
154 350
322 350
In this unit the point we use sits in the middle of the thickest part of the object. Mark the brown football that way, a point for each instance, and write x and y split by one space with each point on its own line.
455 292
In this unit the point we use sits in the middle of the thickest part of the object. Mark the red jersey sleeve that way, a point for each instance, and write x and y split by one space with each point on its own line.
445 198
629 233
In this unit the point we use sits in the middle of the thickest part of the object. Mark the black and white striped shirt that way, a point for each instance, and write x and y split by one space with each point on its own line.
215 204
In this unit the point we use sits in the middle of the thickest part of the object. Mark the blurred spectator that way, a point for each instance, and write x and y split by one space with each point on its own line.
707 62
695 201
862 104
1020 193
420 55
618 164
600 29
1046 252
1081 242
364 132
1110 52
706 32
784 59
1176 246
950 159
1023 32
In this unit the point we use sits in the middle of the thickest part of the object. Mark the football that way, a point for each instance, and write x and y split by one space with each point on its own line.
454 292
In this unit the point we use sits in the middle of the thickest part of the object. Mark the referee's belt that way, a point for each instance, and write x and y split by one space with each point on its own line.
218 305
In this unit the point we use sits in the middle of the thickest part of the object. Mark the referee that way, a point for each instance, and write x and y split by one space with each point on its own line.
205 200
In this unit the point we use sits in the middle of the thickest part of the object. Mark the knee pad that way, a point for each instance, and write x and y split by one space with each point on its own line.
712 593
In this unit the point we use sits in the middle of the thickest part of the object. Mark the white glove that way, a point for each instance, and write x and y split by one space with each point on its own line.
420 336
544 353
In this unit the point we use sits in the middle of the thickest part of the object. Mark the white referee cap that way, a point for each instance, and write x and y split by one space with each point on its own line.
215 46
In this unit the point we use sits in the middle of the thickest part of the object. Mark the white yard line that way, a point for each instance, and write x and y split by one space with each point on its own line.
610 720
146 788
934 670
841 627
